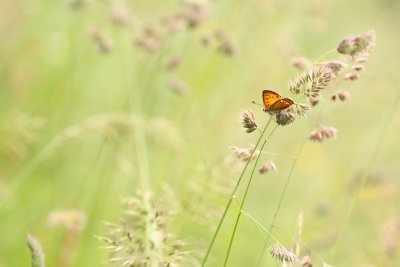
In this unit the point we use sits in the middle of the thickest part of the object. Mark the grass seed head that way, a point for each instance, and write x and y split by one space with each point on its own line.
329 132
244 153
351 76
248 121
358 67
103 44
144 225
352 45
270 166
300 63
149 39
316 136
121 15
173 62
343 95
336 65
283 255
312 82
301 109
178 86
285 117
306 262
313 100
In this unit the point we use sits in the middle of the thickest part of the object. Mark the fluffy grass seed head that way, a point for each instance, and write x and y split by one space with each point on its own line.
275 252
320 135
283 255
312 82
351 76
244 153
270 166
224 44
103 44
316 136
178 86
173 22
301 109
195 12
141 238
336 65
173 62
300 63
149 39
121 15
313 100
285 117
329 132
248 120
358 67
352 45
343 95
306 262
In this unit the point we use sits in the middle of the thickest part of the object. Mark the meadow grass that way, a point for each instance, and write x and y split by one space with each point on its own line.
91 116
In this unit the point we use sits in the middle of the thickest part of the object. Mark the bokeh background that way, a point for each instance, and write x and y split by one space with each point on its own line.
89 117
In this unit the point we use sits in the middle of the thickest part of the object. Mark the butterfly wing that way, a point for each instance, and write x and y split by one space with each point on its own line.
282 103
269 98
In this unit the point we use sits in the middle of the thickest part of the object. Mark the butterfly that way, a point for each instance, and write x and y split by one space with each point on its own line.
274 102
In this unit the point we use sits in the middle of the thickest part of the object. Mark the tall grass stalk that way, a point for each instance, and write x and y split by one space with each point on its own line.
365 175
233 195
245 195
278 207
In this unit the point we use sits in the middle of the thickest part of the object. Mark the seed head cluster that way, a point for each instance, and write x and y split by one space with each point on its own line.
285 117
248 121
352 45
283 255
312 82
300 63
320 135
306 262
337 65
313 100
141 238
245 153
103 44
270 166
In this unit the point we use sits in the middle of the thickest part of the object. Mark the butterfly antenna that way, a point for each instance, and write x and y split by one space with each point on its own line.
254 102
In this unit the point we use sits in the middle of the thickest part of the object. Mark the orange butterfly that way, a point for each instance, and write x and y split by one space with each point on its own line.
274 102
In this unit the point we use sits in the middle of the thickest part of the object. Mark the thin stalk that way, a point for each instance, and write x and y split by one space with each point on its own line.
365 176
258 224
233 196
302 242
282 196
244 197
316 61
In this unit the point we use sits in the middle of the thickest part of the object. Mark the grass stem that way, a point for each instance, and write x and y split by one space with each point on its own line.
282 196
233 196
244 197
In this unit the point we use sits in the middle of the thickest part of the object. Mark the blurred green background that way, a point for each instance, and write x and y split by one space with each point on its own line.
82 128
